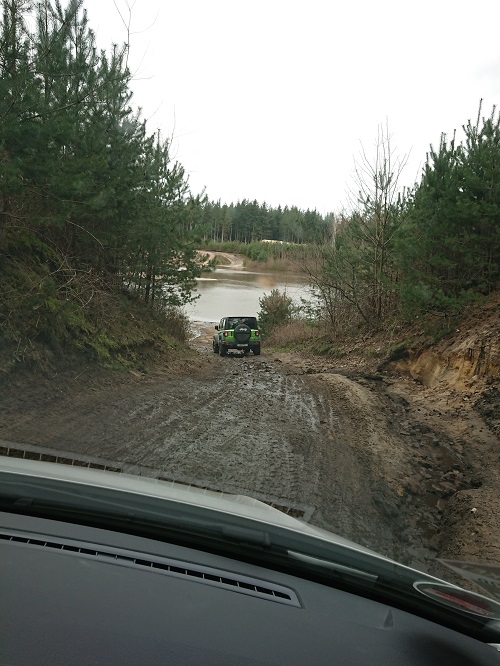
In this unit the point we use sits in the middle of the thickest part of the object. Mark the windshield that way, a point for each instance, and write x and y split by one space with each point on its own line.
158 173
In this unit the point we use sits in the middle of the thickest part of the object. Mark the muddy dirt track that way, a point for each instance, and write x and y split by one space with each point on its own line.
323 446
243 425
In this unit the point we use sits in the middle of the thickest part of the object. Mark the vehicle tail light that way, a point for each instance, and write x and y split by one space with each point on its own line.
257 333
226 334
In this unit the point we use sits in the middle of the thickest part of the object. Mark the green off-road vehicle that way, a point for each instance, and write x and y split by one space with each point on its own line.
240 333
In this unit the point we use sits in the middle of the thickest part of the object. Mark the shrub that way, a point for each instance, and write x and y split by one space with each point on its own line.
175 321
276 309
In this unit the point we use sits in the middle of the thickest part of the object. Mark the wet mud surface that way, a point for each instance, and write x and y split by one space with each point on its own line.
346 453
243 425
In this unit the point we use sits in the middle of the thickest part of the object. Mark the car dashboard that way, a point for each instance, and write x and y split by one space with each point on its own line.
81 593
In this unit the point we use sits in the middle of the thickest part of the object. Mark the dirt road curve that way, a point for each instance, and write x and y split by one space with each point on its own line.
226 259
322 445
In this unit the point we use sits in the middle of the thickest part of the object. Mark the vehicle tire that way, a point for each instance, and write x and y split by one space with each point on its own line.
242 333
222 350
215 347
256 351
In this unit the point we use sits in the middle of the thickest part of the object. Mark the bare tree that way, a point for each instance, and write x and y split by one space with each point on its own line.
378 212
354 275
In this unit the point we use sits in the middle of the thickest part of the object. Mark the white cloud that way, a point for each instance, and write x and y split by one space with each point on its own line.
270 99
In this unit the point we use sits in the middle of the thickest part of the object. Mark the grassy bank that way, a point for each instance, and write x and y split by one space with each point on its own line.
49 320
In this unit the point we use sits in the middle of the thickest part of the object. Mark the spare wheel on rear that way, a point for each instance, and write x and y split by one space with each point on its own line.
242 333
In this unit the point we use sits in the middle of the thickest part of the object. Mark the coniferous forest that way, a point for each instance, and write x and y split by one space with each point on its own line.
94 208
90 203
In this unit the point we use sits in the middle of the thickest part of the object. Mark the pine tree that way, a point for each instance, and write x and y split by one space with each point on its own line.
88 200
451 247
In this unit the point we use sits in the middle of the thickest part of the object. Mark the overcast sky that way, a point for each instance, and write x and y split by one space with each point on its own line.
272 99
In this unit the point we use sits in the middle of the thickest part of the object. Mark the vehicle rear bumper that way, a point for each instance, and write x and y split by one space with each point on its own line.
239 345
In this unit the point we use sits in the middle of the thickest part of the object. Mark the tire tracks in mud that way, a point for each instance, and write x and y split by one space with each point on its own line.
370 458
247 425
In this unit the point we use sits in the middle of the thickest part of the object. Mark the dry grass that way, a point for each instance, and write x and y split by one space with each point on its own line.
295 333
175 322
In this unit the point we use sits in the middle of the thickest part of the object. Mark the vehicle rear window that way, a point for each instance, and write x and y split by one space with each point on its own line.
249 321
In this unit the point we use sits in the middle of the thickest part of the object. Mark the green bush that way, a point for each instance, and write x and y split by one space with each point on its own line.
276 309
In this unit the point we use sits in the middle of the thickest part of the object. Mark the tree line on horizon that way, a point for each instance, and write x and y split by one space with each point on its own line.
91 203
395 252
250 221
